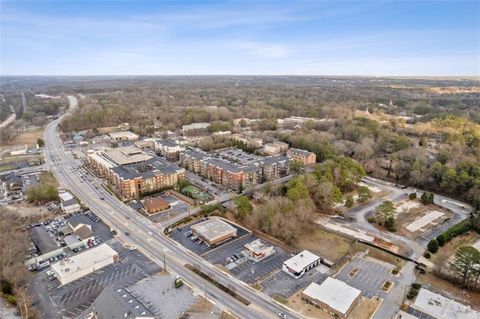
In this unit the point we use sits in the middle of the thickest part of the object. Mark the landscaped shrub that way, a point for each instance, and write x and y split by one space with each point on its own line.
427 198
441 240
426 255
413 292
416 285
432 246
12 300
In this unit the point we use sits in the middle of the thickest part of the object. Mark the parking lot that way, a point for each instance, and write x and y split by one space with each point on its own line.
176 207
180 236
370 277
100 230
76 296
418 314
284 285
244 268
231 255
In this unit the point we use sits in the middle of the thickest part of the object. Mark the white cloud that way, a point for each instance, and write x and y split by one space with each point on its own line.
264 50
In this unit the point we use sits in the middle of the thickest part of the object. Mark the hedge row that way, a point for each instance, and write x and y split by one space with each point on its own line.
454 231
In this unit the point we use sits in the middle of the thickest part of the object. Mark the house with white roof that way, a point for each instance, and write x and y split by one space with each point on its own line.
69 203
299 264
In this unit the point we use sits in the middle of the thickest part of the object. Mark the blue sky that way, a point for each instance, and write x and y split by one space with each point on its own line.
240 37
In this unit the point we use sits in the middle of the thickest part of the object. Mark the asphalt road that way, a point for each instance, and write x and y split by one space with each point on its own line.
394 299
148 237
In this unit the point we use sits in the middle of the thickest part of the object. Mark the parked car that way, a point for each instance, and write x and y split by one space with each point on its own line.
188 234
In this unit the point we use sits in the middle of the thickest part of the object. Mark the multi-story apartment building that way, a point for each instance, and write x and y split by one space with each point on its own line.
168 148
234 175
195 129
133 173
275 148
274 167
305 157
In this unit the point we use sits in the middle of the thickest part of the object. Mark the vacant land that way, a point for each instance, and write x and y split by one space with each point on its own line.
415 219
445 252
328 245
365 308
378 254
309 311
468 297
27 210
25 138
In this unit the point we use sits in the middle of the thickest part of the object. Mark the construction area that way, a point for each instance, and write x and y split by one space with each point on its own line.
413 219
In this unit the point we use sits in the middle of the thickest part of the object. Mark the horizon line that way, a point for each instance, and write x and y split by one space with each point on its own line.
244 75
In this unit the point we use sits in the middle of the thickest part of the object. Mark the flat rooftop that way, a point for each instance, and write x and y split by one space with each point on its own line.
214 228
167 143
334 293
152 167
196 126
67 199
87 259
257 246
120 303
126 155
298 262
65 196
440 307
123 134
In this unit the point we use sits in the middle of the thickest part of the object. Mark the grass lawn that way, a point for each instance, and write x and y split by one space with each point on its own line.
7 168
327 244
28 137
47 178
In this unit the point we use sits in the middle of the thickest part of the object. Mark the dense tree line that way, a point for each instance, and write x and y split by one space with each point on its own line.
14 278
290 211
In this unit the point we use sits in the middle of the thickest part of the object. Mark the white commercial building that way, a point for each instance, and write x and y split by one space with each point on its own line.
332 296
299 264
69 203
258 250
77 266
440 307
123 136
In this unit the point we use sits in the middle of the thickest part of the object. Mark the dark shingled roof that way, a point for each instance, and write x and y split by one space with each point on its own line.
196 154
146 169
270 160
168 143
42 240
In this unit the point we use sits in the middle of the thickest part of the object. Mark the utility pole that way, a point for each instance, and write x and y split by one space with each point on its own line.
164 262
206 299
